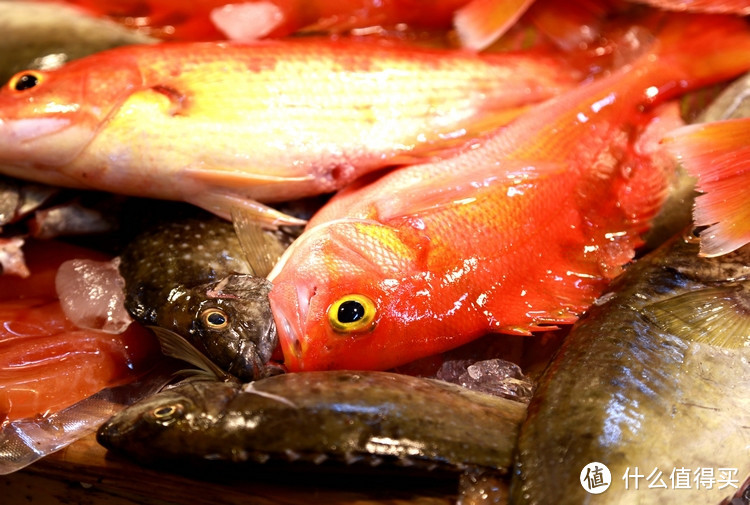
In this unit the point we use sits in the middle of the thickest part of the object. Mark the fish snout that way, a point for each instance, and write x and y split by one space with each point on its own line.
45 141
290 305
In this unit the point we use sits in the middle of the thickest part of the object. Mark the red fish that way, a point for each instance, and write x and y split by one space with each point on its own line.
718 155
220 124
520 232
46 362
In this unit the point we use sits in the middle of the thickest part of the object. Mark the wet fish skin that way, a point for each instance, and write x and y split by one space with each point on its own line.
288 119
191 277
341 415
431 256
650 378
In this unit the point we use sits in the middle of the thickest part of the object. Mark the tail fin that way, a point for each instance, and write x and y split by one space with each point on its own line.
718 155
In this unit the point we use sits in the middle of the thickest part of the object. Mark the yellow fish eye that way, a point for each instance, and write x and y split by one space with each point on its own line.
214 319
167 414
25 80
352 313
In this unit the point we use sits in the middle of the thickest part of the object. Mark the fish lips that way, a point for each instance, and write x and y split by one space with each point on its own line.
291 323
49 141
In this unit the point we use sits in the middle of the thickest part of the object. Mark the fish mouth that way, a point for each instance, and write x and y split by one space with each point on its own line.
48 141
290 324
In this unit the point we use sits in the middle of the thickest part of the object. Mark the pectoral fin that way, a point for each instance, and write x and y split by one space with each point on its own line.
222 204
176 346
715 315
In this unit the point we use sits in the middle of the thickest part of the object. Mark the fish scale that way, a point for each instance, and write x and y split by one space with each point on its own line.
519 232
221 124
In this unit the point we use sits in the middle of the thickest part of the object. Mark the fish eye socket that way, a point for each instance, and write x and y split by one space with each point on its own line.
215 319
168 413
352 313
24 80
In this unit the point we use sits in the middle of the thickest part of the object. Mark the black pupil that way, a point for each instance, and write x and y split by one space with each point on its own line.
216 319
164 411
26 81
350 312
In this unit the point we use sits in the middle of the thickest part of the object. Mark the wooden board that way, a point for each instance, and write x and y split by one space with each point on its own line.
84 473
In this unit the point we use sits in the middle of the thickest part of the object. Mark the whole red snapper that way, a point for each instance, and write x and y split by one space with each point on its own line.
222 125
519 232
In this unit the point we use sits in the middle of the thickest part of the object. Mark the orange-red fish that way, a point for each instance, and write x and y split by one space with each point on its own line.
718 155
221 125
46 362
520 232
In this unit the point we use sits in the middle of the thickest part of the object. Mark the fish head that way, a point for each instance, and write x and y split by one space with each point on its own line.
232 325
167 422
337 294
47 117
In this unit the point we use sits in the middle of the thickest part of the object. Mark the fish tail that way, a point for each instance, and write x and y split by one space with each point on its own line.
689 51
718 155
639 184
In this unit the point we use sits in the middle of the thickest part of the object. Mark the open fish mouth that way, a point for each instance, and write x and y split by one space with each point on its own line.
290 325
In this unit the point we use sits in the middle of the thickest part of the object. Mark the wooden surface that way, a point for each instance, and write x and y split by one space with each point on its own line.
84 473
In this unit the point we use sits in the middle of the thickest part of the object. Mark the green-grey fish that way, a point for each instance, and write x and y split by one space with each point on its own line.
655 382
45 36
345 416
193 282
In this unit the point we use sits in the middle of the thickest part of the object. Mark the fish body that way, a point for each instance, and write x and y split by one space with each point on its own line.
337 416
47 363
218 124
655 377
192 278
519 232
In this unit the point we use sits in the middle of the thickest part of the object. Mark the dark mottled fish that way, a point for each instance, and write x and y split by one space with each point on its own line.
191 280
369 417
655 377
45 36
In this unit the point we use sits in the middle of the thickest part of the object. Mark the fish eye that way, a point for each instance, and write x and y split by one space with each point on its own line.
215 319
352 313
167 414
24 80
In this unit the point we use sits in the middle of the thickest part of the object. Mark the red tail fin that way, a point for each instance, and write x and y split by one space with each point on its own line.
718 155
